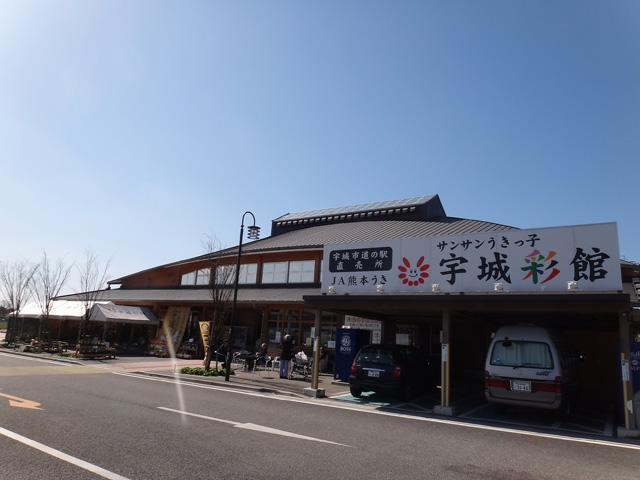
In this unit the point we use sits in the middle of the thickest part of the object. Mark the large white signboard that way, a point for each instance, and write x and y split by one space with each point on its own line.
521 260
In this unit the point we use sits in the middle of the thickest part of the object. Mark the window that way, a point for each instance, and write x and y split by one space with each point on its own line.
248 274
301 272
274 272
203 276
288 272
198 277
516 353
300 325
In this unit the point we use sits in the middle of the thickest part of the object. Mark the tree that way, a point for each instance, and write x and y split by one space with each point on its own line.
221 276
47 282
92 278
15 282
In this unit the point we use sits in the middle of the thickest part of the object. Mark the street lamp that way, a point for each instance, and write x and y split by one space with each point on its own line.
253 233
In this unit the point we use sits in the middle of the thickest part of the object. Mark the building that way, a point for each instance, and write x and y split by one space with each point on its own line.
283 287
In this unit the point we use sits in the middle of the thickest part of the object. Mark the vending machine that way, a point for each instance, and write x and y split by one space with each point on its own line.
348 343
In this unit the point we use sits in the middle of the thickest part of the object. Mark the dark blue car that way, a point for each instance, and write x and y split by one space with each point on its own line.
398 369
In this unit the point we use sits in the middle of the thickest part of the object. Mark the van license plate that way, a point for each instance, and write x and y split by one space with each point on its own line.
373 373
519 386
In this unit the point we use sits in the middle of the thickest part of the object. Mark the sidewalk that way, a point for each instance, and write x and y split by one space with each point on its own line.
262 381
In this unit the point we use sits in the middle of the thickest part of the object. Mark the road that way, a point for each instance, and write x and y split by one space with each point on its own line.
78 422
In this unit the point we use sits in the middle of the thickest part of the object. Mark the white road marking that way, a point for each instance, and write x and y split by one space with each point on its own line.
328 403
254 427
62 456
44 360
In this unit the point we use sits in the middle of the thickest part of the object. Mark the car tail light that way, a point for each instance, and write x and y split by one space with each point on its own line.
397 371
553 387
353 366
495 382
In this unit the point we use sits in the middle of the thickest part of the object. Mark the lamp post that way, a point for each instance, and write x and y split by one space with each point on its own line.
253 233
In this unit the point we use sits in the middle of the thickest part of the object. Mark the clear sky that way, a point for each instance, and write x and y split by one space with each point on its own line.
136 128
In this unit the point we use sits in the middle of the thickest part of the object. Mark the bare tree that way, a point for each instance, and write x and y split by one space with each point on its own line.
48 280
92 278
220 279
15 281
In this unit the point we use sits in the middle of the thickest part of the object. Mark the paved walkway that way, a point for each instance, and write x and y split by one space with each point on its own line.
260 380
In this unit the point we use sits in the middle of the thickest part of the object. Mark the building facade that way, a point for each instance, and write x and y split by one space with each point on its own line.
286 283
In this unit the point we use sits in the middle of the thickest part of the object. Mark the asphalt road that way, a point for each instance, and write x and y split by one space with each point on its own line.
76 422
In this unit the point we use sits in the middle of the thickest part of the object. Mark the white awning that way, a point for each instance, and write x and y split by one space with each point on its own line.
122 314
59 309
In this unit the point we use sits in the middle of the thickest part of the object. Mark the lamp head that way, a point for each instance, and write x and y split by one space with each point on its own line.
253 232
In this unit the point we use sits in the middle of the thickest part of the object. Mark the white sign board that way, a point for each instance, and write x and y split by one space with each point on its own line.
542 259
375 326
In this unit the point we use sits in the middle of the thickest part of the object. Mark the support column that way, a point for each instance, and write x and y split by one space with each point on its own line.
445 408
627 386
314 391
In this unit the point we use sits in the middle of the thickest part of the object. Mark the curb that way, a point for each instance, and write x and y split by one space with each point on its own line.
237 385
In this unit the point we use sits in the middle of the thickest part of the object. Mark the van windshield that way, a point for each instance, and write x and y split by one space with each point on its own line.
518 353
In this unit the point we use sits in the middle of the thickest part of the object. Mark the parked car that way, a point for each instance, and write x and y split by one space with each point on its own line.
533 367
399 369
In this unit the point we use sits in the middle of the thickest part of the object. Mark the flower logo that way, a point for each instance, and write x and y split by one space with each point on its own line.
413 276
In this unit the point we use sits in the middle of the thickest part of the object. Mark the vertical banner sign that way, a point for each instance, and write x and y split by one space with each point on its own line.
204 331
175 323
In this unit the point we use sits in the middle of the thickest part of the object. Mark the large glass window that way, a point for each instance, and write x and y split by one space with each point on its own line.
198 277
248 274
300 325
288 272
203 276
275 326
301 272
274 272
188 279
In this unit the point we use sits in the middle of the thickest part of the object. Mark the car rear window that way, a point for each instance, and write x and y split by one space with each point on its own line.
519 353
377 355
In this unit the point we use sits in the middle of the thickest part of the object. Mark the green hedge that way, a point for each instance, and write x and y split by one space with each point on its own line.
201 371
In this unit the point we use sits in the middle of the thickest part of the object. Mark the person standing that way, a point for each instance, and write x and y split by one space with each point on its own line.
285 356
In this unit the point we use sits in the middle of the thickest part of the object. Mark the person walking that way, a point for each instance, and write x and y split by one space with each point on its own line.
285 356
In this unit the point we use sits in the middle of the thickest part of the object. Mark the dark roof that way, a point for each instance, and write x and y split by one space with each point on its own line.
318 237
414 208
313 229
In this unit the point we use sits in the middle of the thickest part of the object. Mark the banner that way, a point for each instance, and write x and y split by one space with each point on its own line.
579 258
174 324
204 331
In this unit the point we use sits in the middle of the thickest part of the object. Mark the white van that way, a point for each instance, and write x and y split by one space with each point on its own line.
533 367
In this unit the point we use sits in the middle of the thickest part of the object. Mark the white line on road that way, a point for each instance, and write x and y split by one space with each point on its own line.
62 456
328 403
254 427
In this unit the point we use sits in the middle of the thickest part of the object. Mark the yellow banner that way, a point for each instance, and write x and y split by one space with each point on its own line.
175 323
204 331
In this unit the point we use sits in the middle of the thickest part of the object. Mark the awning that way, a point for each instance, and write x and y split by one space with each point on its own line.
60 309
123 314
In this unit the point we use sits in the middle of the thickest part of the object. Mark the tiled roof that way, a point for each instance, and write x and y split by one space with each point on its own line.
199 295
318 237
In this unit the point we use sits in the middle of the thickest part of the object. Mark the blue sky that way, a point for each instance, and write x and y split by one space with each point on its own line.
136 128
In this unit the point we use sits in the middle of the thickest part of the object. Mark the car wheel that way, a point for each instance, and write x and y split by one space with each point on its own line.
356 392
